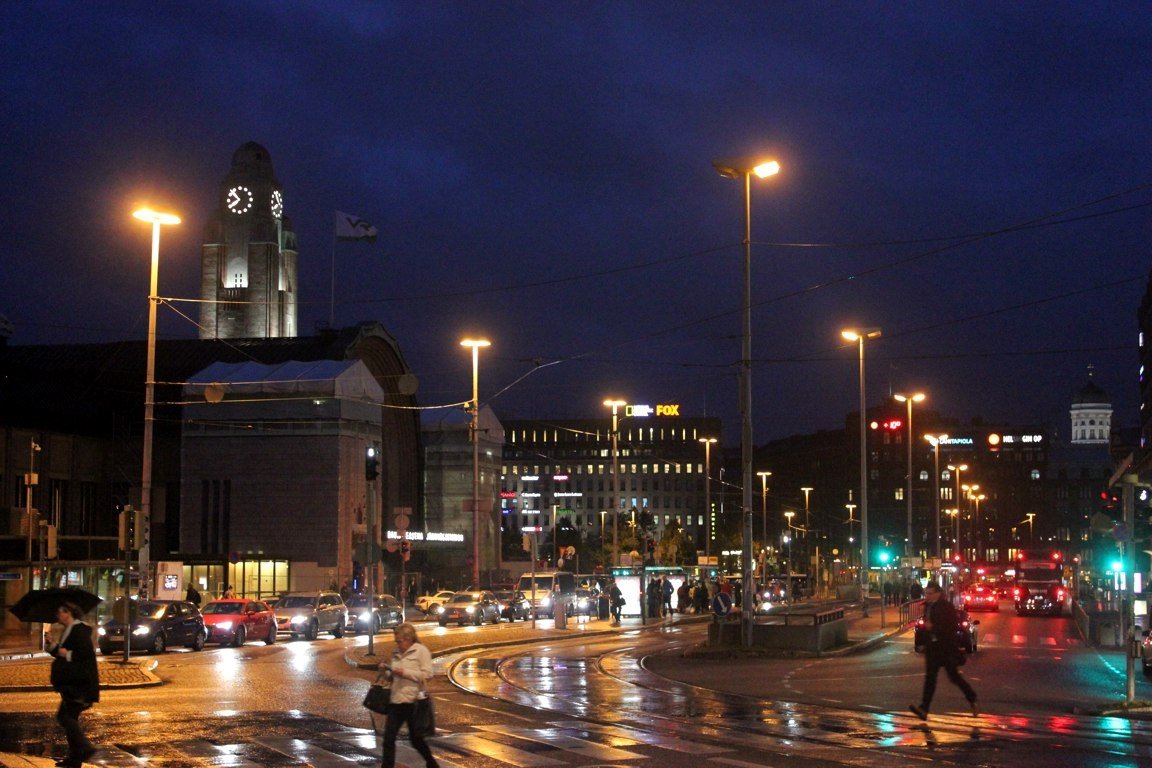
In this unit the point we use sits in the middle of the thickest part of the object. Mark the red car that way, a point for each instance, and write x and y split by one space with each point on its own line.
981 598
236 620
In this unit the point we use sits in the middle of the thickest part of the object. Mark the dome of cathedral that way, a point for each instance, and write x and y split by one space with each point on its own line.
1090 394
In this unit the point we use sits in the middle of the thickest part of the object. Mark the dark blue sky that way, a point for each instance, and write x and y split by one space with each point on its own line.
973 178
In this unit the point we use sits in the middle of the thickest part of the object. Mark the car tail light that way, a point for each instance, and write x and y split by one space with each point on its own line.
964 625
1060 594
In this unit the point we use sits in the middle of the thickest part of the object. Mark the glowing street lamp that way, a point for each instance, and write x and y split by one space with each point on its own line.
745 169
935 440
909 399
614 404
707 441
156 219
764 475
474 428
858 335
958 468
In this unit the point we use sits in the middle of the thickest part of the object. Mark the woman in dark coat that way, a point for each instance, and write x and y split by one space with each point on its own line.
75 678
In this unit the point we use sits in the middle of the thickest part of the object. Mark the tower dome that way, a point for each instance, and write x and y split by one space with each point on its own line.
1091 414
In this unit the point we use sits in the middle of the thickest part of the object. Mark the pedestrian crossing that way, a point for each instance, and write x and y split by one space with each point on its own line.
757 740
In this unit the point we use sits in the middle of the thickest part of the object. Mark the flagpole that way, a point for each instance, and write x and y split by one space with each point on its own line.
332 280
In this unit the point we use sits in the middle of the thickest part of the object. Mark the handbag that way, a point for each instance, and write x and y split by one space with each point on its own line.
423 721
378 699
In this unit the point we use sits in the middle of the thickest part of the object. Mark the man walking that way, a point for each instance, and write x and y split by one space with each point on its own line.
942 650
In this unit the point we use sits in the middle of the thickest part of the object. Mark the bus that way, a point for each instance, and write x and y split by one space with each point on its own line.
1039 585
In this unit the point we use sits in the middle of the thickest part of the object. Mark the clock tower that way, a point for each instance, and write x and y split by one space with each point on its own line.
248 259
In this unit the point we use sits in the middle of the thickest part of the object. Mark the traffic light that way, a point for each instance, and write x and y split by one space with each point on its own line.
138 530
884 556
50 542
405 550
124 527
371 464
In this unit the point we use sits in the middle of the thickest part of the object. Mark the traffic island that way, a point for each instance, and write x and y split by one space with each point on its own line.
810 631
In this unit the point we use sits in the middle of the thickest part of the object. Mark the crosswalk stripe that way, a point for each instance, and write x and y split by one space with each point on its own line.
556 739
738 763
302 750
223 754
467 742
661 740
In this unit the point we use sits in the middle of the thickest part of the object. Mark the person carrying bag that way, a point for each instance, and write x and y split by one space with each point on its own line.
410 668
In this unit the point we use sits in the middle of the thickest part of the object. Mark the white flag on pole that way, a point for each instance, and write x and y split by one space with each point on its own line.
349 227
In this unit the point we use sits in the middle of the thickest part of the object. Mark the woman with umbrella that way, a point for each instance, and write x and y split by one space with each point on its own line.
75 678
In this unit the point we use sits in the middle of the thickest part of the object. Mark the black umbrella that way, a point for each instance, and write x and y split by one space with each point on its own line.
40 605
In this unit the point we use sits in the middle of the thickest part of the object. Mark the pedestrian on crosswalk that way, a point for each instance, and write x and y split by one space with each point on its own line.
74 677
409 669
942 650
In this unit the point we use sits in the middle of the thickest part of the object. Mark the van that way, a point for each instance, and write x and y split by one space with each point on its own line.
543 592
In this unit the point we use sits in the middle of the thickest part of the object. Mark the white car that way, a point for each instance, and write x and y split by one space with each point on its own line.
433 603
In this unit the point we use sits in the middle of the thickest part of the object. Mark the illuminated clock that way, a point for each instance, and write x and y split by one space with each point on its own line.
239 199
277 204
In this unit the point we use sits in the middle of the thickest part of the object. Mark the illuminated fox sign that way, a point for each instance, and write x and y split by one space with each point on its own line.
648 410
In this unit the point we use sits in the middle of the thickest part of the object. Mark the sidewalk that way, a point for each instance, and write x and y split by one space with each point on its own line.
24 667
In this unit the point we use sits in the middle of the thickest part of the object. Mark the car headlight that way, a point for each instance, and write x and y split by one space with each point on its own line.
366 616
298 619
545 601
471 609
224 625
142 630
101 631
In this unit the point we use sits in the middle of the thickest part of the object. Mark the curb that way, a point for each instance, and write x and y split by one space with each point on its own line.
357 660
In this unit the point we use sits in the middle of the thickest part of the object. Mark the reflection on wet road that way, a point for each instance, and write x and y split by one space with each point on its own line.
605 681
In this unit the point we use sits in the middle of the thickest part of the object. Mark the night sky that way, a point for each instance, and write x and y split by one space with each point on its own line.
973 178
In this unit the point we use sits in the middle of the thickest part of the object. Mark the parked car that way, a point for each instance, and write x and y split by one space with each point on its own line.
965 633
471 608
433 603
310 613
513 605
980 598
235 621
155 625
374 612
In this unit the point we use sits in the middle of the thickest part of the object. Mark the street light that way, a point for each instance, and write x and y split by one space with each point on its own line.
708 441
909 399
156 219
1030 515
474 428
935 440
978 534
744 169
851 531
808 541
614 404
764 475
958 468
858 335
791 565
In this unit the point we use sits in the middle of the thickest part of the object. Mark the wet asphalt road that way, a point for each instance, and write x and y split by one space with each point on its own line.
600 701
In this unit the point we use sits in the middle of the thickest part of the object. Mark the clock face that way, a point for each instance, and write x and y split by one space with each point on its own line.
277 204
239 199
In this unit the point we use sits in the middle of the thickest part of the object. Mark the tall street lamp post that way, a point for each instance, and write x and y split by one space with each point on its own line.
858 335
791 568
808 543
1030 516
744 169
156 219
909 399
851 531
957 468
708 441
935 440
764 475
474 428
614 405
